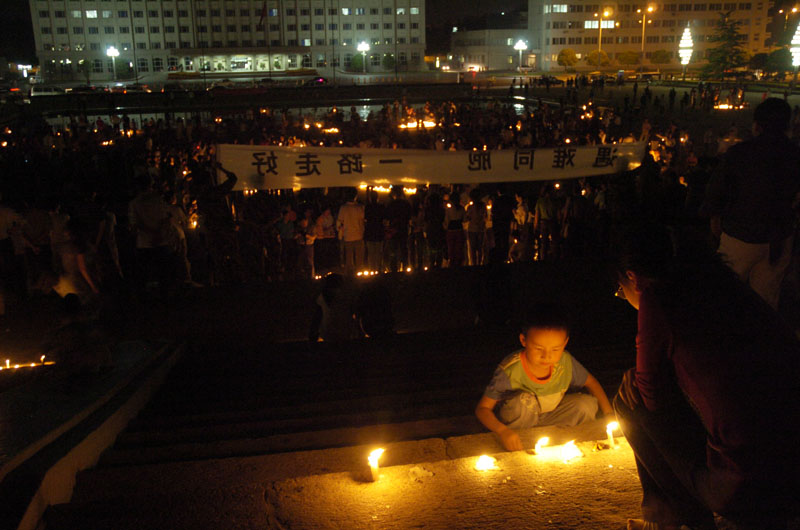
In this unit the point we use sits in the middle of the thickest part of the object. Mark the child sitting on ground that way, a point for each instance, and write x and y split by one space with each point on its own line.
530 386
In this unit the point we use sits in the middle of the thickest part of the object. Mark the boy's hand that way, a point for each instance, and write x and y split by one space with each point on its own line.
627 389
511 440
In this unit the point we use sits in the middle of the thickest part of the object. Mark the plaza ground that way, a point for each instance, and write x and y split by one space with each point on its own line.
254 427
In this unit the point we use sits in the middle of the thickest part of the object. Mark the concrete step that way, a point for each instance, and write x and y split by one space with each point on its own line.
339 437
264 491
299 410
119 481
211 432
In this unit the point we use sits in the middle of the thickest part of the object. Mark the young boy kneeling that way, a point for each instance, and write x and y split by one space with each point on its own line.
530 386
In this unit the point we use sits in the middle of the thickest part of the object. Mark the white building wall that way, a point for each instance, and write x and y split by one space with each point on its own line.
225 36
564 25
492 49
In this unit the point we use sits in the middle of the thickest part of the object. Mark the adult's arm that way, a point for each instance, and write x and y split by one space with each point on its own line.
653 347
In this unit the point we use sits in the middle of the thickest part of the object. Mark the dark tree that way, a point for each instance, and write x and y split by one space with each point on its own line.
729 51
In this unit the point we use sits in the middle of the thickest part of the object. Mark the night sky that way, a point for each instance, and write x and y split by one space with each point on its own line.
16 32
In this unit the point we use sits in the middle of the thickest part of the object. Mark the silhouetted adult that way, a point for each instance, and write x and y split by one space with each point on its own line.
502 215
711 407
750 199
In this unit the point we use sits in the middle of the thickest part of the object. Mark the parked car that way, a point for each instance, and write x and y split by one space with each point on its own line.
86 89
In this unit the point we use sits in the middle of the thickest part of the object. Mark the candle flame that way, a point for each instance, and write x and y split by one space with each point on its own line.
570 451
611 427
485 463
541 443
374 456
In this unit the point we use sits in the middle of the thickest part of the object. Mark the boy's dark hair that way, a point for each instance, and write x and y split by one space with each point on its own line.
545 315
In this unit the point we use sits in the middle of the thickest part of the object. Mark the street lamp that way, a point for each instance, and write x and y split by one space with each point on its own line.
649 9
519 46
786 12
363 47
113 53
685 48
605 14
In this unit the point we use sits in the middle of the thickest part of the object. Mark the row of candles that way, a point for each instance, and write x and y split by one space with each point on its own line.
566 453
16 366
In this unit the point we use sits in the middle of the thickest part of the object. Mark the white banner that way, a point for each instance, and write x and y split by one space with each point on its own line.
270 167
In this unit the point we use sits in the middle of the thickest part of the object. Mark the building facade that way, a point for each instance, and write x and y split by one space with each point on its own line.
490 49
230 38
616 29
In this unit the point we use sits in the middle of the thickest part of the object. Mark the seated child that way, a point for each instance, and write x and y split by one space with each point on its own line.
530 386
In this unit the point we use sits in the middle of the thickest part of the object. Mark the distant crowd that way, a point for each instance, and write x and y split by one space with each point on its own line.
105 205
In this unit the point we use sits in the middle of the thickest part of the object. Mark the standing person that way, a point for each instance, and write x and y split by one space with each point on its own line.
454 223
476 228
434 229
707 408
502 215
9 221
179 223
416 240
521 250
288 237
306 234
148 218
398 215
750 200
544 221
373 231
350 223
326 255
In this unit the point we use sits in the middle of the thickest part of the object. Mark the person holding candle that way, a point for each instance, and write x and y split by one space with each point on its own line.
711 407
530 387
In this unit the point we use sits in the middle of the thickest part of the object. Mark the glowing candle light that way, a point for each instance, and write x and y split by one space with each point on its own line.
570 451
541 443
485 463
8 363
373 458
42 359
610 428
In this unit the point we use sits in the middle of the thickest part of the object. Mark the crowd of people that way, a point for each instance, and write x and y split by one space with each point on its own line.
94 206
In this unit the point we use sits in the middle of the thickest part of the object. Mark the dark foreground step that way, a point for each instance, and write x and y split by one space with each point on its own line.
340 437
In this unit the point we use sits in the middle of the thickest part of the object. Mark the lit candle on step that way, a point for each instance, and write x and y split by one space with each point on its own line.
569 451
373 458
610 428
541 443
485 463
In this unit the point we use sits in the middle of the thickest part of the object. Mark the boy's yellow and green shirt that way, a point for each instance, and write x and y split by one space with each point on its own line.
514 375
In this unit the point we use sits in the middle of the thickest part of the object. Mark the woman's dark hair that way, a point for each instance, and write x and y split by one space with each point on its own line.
645 249
702 298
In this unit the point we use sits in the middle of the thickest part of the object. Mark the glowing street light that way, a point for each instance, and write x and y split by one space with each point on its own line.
795 50
649 9
786 12
520 46
113 53
363 47
685 49
605 14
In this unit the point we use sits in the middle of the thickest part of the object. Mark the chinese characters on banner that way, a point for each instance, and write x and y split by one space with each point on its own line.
269 167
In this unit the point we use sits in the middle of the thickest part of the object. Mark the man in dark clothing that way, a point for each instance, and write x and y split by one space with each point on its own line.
373 231
502 215
398 213
750 199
